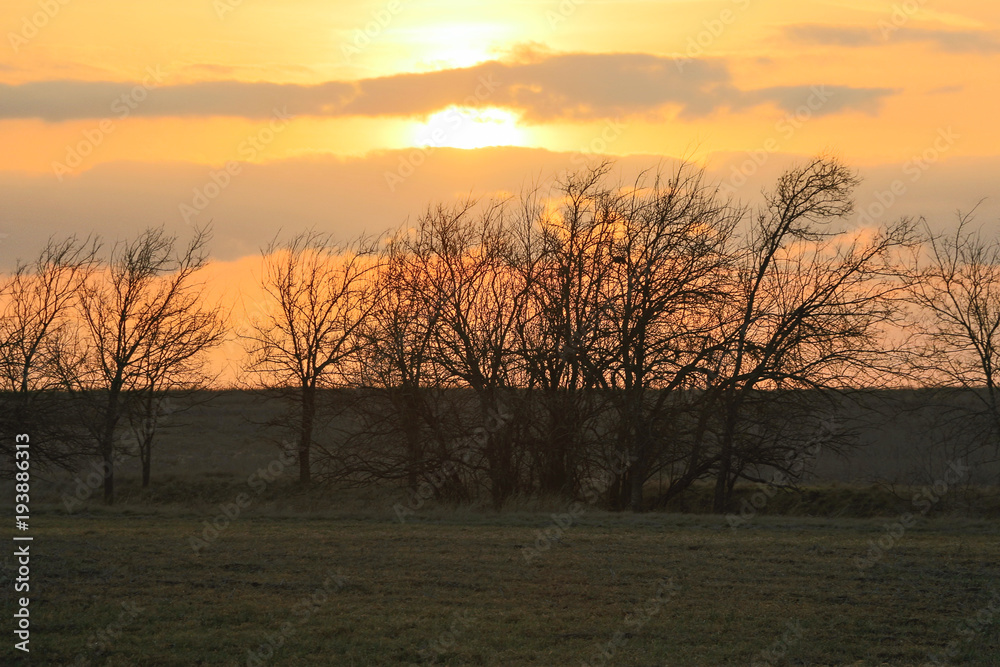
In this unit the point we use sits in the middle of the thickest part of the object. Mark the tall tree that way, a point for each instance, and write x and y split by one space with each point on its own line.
406 397
464 261
670 258
810 304
564 258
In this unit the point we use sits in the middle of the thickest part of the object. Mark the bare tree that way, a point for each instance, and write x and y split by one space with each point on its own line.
405 398
955 285
565 259
809 306
318 295
463 259
670 257
145 325
653 329
36 341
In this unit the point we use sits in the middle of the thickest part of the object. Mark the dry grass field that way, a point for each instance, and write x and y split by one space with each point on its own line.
207 568
126 587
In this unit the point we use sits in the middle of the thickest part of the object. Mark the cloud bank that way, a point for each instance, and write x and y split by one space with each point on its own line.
545 88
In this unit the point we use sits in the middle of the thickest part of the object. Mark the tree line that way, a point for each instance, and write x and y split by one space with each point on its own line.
524 345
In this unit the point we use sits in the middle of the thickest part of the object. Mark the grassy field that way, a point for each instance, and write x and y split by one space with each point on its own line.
127 587
825 576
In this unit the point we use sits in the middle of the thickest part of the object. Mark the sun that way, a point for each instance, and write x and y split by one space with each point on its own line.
467 127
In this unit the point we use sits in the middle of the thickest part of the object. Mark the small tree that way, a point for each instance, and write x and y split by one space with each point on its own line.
36 343
955 285
145 326
318 294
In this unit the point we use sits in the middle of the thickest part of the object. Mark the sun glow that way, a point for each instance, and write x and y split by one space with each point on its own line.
466 127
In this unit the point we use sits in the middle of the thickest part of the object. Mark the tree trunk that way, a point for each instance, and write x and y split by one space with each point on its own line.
146 456
107 446
411 431
637 481
147 434
554 476
721 501
636 443
723 482
109 475
306 433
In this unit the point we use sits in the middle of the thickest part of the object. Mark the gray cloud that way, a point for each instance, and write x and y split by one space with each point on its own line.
825 100
959 41
69 100
545 88
950 41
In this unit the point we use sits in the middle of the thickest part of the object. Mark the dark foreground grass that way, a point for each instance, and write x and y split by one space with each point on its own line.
128 589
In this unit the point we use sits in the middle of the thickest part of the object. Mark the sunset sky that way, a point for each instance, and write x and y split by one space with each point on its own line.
262 115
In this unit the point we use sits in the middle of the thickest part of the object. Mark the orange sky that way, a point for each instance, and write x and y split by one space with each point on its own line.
115 115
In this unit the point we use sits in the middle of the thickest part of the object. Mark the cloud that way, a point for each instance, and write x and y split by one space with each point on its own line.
826 100
349 196
68 100
949 41
946 90
832 35
544 87
958 41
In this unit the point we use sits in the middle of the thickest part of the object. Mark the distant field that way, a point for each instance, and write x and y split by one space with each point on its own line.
456 589
224 436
